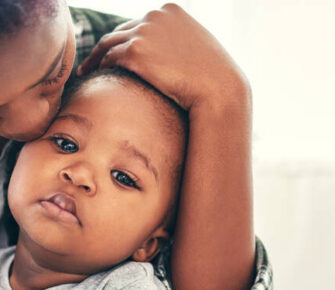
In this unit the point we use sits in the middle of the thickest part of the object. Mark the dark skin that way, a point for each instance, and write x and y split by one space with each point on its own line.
30 96
216 197
214 242
120 218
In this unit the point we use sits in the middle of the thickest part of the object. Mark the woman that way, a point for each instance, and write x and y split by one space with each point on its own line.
214 244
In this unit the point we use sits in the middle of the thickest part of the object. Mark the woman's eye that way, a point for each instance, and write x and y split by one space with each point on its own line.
57 78
65 144
124 179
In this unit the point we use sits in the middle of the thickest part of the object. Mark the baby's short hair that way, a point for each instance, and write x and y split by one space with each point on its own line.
175 122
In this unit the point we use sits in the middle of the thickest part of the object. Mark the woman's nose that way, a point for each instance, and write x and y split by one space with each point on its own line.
80 176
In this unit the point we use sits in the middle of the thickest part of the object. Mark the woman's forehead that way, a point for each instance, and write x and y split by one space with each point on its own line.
26 56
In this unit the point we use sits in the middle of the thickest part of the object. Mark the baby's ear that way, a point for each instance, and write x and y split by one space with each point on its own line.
151 246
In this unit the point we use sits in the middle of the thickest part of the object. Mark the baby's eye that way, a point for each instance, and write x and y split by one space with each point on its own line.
124 179
64 144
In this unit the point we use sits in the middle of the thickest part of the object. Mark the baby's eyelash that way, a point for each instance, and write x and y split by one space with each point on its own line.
64 144
124 179
59 76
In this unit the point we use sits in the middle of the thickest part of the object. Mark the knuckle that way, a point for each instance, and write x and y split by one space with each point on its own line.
153 15
107 56
101 45
104 37
142 28
103 41
172 7
134 47
122 25
119 26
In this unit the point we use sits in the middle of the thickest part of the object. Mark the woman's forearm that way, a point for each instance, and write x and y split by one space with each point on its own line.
214 241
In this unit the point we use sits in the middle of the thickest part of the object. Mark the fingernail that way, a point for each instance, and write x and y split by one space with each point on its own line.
79 70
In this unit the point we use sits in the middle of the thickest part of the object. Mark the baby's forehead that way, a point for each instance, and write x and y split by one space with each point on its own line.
117 90
164 110
114 83
103 111
151 103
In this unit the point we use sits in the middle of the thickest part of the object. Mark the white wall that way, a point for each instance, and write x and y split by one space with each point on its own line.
286 49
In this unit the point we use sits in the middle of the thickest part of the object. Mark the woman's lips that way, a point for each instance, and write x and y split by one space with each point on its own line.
61 207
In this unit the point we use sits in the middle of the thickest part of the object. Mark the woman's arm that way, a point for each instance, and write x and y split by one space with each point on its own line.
214 242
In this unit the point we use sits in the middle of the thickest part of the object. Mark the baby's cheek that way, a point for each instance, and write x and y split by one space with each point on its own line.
19 189
14 201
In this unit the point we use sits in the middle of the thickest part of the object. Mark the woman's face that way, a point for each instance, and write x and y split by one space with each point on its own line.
34 66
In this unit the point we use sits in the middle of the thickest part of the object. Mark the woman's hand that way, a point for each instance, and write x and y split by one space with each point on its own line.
174 53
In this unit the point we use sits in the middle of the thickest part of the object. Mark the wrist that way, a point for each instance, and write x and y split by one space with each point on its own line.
234 99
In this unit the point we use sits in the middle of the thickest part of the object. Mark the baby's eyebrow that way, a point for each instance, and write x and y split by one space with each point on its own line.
82 121
141 156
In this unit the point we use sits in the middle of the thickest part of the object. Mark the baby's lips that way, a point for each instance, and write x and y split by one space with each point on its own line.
64 202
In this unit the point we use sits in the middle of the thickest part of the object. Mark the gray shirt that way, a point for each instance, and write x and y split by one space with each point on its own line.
127 276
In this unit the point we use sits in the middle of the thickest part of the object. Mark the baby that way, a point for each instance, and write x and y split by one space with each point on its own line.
98 190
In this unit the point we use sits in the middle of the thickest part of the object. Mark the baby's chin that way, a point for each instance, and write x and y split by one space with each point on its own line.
63 256
40 238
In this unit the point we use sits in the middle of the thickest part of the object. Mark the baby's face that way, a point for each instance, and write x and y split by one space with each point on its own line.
97 185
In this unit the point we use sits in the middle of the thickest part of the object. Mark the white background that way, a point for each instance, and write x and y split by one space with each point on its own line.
286 48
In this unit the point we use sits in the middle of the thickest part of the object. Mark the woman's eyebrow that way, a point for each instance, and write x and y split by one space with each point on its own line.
134 152
51 68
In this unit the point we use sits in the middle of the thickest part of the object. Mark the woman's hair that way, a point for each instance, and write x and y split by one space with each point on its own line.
17 14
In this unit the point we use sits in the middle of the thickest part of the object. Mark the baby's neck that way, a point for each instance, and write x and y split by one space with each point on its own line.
26 273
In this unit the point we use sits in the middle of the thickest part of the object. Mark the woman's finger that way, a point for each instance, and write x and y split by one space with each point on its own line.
105 43
116 56
127 25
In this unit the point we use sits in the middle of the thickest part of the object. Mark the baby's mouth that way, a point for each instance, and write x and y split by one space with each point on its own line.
61 207
64 202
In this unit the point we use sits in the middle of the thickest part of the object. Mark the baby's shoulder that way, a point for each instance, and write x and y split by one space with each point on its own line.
129 275
6 259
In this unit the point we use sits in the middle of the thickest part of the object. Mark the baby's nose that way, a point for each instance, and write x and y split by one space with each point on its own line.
80 177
